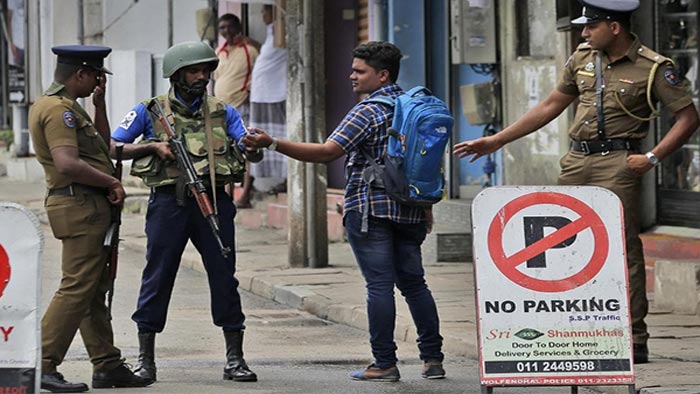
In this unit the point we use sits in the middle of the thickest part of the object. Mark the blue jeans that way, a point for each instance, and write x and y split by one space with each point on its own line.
168 228
389 254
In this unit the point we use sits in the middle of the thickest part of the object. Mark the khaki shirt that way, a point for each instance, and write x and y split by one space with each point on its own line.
58 120
627 78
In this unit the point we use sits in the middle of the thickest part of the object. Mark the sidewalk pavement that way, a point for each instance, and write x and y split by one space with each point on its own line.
336 293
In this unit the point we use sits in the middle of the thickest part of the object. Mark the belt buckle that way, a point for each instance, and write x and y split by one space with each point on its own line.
585 148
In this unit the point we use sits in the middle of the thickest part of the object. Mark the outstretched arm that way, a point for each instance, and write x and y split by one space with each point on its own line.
303 151
533 120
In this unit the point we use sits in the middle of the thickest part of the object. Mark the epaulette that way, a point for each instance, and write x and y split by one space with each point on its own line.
147 101
584 46
655 57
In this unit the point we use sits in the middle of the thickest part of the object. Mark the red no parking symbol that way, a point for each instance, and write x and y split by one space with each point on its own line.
4 270
508 265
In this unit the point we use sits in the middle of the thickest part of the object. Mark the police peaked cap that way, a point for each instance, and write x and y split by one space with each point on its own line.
91 56
611 10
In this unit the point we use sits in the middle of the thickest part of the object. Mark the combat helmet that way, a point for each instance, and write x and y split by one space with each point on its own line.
186 54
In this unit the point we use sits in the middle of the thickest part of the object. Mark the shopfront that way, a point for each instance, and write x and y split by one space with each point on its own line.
678 177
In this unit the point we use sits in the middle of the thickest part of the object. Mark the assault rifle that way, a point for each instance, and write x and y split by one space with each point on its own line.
112 236
184 162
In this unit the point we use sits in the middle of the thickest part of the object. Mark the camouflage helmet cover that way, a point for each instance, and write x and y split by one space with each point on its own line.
187 54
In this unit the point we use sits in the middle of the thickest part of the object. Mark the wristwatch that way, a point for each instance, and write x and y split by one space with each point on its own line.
273 145
653 160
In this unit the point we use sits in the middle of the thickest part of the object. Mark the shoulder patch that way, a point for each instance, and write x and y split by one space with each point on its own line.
69 119
671 76
128 120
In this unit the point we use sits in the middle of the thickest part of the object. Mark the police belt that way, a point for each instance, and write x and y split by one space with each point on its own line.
604 146
76 188
172 189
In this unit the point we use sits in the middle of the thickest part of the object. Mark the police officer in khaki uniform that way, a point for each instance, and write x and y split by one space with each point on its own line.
81 190
614 72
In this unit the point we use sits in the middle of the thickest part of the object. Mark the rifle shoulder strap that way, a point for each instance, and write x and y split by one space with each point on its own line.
168 111
210 151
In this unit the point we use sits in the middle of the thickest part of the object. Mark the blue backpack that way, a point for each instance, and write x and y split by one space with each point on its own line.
413 171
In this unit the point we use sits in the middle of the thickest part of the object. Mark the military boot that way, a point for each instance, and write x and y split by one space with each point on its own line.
146 367
236 369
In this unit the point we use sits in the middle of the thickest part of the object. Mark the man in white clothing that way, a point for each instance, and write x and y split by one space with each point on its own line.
268 95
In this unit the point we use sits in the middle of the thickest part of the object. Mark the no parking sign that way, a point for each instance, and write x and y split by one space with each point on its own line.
551 279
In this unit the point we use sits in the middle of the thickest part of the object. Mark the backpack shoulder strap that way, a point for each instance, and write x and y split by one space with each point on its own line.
380 100
373 177
419 91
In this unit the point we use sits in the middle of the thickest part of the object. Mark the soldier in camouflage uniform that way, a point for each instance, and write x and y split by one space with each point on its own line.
607 133
173 215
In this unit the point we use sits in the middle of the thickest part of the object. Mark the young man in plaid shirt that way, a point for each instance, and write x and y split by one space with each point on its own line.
389 251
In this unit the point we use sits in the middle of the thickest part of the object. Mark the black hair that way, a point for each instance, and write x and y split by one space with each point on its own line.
626 23
235 21
380 55
64 71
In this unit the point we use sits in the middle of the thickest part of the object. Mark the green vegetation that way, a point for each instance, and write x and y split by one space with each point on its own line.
6 138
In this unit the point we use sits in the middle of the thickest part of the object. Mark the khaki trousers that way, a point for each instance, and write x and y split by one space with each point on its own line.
81 223
611 172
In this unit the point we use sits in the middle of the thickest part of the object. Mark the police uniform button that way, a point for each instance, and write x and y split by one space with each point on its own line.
609 67
622 90
582 82
656 57
640 50
587 122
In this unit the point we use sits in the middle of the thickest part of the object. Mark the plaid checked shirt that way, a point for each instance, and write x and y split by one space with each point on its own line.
366 126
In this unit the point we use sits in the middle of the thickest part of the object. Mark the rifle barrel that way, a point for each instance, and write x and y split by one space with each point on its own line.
113 232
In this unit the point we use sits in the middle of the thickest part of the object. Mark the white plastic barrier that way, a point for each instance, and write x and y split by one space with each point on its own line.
21 247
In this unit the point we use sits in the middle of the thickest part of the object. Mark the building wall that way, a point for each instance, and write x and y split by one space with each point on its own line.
527 80
407 30
147 24
135 31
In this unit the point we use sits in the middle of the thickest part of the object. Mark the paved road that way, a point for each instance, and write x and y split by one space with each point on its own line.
292 351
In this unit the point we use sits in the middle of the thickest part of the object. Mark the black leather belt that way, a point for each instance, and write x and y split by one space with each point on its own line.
604 146
167 189
77 188
171 189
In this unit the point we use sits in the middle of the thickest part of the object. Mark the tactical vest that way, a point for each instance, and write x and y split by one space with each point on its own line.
229 163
